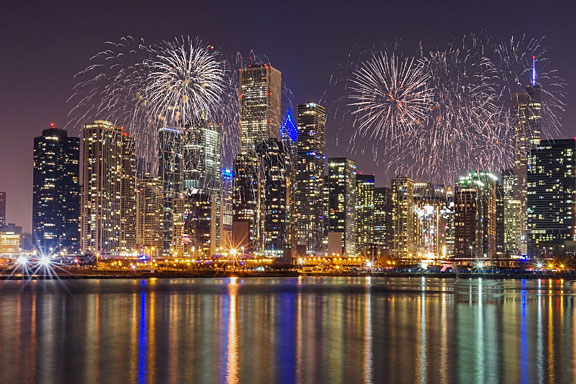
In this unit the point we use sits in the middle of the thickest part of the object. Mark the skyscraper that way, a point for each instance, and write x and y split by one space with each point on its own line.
475 215
245 222
551 197
108 207
199 224
309 201
2 209
365 214
260 103
170 174
403 218
383 220
149 215
342 206
201 159
512 220
527 131
432 208
56 196
274 197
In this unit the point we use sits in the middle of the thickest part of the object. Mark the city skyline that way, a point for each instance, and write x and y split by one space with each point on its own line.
56 76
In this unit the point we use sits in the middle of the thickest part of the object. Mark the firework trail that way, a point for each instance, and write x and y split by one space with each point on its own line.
145 87
389 96
443 112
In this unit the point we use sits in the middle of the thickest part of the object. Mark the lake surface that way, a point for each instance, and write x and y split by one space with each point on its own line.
288 330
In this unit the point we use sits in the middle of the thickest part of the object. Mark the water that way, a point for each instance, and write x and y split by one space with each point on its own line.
287 330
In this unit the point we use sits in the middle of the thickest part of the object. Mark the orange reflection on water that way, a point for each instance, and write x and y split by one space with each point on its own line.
232 376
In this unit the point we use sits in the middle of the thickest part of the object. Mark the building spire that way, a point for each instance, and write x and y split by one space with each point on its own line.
533 70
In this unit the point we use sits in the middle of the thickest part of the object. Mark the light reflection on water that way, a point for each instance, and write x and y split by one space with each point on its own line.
288 330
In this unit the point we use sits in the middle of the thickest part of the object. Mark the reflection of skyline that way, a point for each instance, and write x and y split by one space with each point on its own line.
289 331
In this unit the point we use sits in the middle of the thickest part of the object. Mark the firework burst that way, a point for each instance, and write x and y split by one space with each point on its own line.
389 96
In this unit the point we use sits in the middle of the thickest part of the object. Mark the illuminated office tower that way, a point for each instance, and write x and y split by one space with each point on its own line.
2 209
108 172
342 206
170 174
245 223
201 160
128 202
512 220
260 103
527 114
56 194
226 207
274 197
475 215
199 228
310 205
365 215
403 218
149 215
551 197
432 207
383 220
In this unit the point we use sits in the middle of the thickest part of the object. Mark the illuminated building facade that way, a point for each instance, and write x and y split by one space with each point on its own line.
200 229
403 218
149 215
383 220
432 208
56 193
342 205
226 207
512 220
310 205
260 103
274 188
108 214
527 133
245 231
475 215
551 197
201 160
128 195
170 174
365 215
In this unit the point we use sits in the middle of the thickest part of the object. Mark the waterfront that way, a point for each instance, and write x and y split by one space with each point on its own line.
288 330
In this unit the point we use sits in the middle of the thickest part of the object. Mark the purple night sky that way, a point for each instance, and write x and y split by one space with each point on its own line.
45 43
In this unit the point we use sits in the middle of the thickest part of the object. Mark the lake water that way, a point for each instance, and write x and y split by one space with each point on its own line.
288 330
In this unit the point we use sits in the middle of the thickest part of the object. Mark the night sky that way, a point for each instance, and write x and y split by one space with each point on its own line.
45 43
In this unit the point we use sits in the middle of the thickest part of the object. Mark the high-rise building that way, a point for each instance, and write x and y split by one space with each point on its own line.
56 195
245 222
108 207
260 103
383 220
342 206
310 205
200 228
551 197
170 174
365 215
2 208
149 215
128 201
201 159
527 114
274 195
403 218
512 220
432 209
226 207
475 215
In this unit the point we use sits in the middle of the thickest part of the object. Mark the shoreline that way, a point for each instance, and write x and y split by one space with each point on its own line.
246 274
